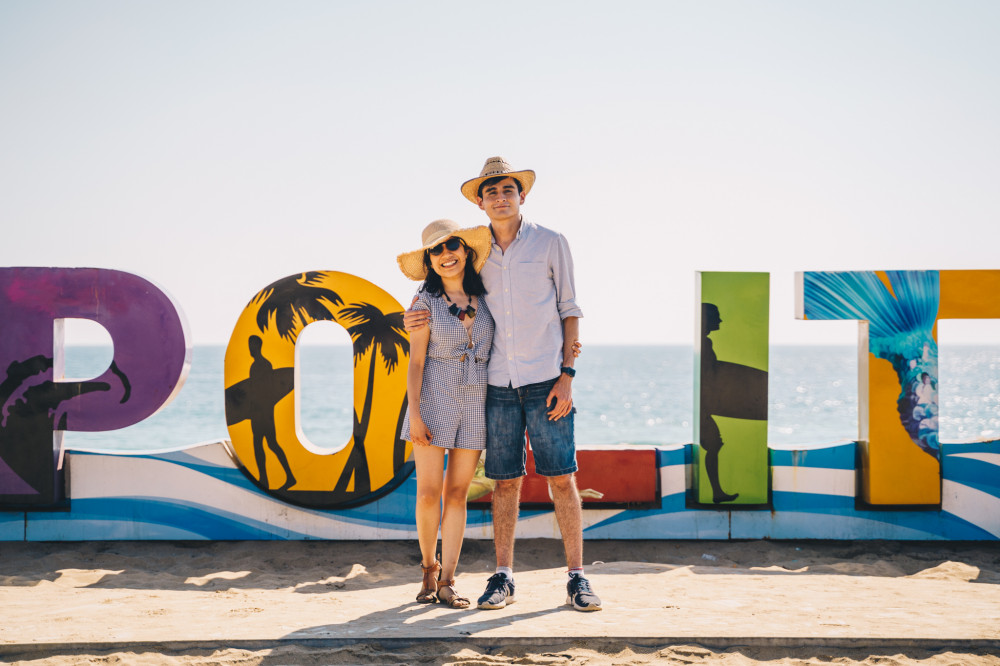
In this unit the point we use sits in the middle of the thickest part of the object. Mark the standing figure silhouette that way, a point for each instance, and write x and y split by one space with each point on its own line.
262 419
727 390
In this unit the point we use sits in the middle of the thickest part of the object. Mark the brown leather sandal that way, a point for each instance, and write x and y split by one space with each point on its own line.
450 596
428 589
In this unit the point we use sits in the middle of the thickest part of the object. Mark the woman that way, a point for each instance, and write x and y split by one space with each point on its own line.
446 392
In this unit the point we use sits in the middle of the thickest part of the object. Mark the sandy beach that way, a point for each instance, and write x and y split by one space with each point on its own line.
683 602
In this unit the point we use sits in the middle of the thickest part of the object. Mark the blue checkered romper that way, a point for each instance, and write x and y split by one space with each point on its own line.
453 394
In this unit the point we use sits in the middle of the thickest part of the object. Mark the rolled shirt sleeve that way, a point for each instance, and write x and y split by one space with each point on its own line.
562 277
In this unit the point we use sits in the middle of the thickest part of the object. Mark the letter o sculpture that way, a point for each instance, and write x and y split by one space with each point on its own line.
261 413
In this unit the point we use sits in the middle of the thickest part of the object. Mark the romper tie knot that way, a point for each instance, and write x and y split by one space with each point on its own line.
470 367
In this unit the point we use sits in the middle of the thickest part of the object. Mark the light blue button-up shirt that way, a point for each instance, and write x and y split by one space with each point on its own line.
530 290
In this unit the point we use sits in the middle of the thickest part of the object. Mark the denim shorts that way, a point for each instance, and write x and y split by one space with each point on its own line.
509 412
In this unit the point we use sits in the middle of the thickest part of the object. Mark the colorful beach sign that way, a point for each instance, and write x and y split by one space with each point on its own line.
268 481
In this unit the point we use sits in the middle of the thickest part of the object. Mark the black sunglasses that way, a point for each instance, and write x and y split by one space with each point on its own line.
452 244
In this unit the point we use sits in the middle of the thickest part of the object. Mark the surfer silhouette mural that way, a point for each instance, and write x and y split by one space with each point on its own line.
284 306
261 406
731 394
266 387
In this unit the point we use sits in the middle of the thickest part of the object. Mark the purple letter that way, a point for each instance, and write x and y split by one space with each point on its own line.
151 360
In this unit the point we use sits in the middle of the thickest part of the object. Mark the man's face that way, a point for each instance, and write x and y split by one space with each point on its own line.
501 201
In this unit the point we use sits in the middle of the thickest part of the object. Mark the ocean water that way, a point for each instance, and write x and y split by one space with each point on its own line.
623 394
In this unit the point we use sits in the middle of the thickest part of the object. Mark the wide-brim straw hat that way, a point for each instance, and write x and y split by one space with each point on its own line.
497 166
478 238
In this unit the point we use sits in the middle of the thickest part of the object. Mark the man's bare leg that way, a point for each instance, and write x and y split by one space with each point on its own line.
569 515
506 504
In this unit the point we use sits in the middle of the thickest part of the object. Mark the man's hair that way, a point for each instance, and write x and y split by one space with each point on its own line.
471 282
493 181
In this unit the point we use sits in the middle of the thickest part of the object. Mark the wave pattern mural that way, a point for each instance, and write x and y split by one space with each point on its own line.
199 493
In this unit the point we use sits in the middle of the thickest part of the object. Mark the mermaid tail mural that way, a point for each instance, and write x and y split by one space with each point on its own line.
901 308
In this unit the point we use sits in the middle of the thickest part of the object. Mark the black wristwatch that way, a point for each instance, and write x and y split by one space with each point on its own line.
566 370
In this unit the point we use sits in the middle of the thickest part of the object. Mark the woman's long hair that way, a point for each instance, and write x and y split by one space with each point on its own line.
471 282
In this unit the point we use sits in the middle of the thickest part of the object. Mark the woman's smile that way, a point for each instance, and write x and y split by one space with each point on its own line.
449 263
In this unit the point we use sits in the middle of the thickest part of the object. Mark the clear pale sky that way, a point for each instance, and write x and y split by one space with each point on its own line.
215 147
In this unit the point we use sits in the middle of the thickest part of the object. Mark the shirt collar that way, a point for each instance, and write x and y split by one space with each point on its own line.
517 236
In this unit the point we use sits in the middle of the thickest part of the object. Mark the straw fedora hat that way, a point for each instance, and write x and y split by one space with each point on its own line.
497 166
478 238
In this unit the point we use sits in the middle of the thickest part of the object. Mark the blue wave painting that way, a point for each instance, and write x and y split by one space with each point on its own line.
198 493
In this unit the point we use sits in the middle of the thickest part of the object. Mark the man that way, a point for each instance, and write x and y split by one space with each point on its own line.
531 294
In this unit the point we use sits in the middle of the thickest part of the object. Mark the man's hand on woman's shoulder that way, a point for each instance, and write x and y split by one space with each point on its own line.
414 320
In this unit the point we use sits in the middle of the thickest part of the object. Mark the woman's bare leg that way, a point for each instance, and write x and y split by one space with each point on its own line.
461 469
429 461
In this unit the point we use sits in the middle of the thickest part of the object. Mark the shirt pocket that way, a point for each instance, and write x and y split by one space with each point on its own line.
532 282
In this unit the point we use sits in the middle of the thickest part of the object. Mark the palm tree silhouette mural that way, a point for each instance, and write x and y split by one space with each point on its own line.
383 334
30 404
289 305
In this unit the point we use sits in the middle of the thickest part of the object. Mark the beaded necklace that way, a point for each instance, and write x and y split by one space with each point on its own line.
461 312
